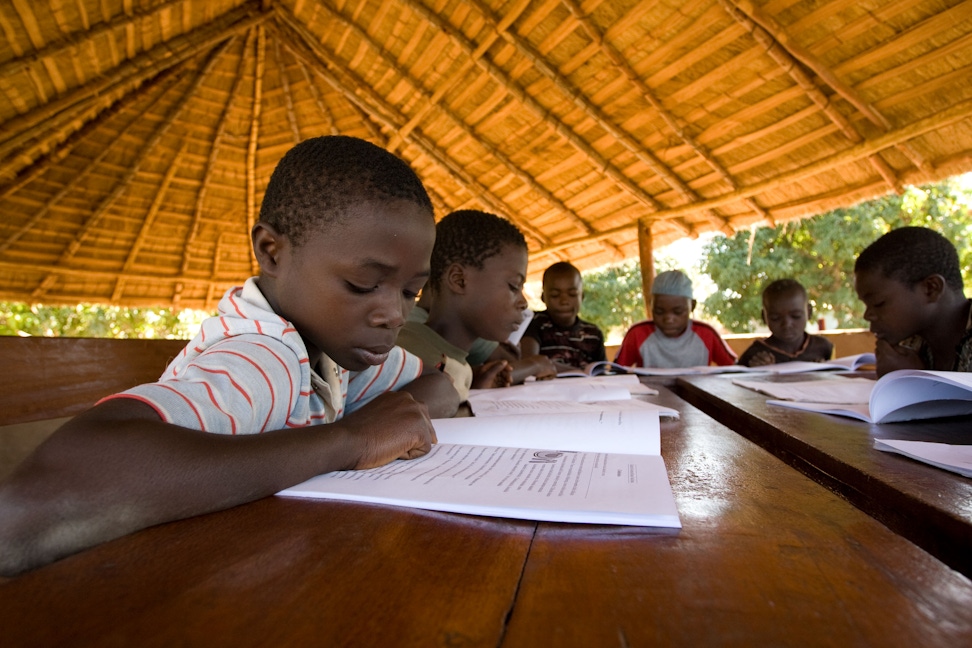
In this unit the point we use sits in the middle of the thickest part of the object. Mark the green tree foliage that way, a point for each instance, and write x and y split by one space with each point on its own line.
613 299
820 252
87 320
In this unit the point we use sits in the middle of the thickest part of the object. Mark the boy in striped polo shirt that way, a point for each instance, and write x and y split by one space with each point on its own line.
343 242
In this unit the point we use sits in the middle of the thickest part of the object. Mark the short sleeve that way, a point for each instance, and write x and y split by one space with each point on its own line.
398 370
629 354
241 385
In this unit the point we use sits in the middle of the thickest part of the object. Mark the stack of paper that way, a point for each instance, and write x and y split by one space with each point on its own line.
904 395
563 396
555 451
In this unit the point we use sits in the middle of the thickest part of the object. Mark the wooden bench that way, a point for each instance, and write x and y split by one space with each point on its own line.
46 380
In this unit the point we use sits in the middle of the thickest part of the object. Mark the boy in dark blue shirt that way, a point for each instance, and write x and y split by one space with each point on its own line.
558 332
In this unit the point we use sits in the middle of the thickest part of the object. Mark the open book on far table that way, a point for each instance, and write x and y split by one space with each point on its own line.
847 363
604 367
607 367
904 395
599 467
563 396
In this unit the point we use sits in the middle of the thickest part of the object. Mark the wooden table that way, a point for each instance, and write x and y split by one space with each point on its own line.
765 556
930 506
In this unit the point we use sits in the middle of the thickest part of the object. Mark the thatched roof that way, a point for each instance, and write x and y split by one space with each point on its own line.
136 136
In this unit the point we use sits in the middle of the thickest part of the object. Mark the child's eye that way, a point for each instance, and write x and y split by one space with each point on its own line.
410 294
361 290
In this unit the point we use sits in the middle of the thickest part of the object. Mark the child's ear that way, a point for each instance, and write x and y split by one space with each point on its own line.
692 305
762 316
268 244
455 278
809 312
933 287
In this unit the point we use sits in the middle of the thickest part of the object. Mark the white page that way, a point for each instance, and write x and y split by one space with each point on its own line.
916 394
955 458
630 381
508 407
840 391
632 432
853 410
853 361
514 482
517 335
597 367
796 366
690 371
547 390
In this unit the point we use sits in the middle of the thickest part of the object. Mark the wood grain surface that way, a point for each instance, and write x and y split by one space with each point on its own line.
766 556
930 506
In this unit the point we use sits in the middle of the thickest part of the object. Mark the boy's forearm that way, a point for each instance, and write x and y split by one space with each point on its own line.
115 470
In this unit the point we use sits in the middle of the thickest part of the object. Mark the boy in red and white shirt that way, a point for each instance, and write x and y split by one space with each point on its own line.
343 242
672 338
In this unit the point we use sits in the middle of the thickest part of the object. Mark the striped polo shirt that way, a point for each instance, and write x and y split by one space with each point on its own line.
247 372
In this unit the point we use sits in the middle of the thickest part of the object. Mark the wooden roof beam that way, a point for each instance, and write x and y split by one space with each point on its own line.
487 41
143 153
78 179
375 133
214 150
360 94
594 112
786 60
648 94
778 33
392 119
15 132
774 29
148 222
68 44
431 102
319 101
936 121
251 148
66 146
542 113
287 93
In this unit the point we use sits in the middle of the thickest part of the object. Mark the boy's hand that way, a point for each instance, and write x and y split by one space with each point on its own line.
540 366
495 373
761 359
891 357
392 426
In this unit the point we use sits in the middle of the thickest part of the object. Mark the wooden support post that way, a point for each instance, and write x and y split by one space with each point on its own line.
647 256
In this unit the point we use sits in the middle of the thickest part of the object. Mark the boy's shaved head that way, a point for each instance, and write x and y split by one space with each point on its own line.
469 237
317 182
560 268
782 288
910 254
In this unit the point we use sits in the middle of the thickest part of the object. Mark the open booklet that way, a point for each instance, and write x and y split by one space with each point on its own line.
851 363
599 467
562 396
607 367
905 395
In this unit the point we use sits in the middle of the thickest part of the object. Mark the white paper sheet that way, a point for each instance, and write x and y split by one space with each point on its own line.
954 458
